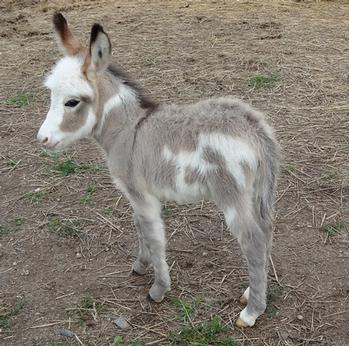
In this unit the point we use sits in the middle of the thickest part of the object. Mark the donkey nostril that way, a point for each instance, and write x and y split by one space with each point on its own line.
45 140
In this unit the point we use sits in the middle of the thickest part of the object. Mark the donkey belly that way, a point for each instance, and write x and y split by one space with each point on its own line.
183 192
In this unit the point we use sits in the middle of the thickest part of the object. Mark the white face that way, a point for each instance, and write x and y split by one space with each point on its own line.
71 115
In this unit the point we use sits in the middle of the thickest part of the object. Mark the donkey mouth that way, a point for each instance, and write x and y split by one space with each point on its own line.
53 147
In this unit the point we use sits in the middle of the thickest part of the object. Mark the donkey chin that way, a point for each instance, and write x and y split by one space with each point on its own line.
57 140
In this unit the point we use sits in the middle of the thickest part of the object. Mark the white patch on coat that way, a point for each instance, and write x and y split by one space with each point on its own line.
124 96
114 102
230 215
66 78
184 192
66 81
234 151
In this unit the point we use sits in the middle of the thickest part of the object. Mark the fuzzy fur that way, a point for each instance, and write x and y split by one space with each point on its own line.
218 149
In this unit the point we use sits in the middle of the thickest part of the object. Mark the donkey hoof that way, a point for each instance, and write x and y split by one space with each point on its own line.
241 324
152 300
155 299
149 298
246 319
243 300
157 293
133 272
138 269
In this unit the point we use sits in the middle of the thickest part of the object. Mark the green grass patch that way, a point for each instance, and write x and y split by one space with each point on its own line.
186 308
92 168
67 167
262 81
12 226
13 163
36 197
63 165
64 228
19 100
290 168
57 343
332 229
4 229
274 293
54 155
135 342
108 211
89 192
18 221
166 211
205 334
118 340
85 308
7 313
329 176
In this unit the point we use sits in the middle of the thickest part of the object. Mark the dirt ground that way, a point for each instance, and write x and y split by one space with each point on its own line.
66 236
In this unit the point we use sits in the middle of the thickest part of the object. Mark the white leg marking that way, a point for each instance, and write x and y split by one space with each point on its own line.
245 296
246 293
246 319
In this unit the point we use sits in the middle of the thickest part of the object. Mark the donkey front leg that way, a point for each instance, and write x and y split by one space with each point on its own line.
143 259
154 239
153 243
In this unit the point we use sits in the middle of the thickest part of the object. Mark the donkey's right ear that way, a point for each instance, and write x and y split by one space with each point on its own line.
66 40
99 55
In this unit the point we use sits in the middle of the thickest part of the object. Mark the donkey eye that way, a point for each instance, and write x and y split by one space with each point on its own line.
72 103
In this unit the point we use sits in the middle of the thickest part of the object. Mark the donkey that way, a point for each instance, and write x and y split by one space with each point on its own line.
219 149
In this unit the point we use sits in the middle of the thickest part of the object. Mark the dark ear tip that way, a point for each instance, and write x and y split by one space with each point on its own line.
96 29
59 21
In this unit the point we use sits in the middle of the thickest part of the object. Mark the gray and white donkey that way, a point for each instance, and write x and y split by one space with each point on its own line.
219 149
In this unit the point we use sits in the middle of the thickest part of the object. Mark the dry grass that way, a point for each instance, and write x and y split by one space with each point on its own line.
181 51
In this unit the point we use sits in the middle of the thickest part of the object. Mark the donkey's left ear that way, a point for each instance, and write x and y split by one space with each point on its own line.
100 51
67 42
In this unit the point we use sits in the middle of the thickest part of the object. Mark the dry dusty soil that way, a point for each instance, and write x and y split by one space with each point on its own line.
66 236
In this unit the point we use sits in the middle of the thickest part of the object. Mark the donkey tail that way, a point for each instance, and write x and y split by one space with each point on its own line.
269 169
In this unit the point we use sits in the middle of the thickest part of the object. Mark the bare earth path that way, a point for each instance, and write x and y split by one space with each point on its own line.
66 236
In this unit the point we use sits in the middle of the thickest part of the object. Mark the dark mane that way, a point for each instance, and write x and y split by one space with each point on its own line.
145 101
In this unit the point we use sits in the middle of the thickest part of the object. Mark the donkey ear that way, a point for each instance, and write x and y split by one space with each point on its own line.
66 40
100 50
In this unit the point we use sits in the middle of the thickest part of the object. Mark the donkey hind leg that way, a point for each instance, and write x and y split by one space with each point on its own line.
267 229
153 233
143 259
253 243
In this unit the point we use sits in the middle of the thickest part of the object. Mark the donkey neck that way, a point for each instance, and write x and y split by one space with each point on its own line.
120 109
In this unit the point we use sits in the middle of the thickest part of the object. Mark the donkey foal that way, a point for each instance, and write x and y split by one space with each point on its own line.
219 149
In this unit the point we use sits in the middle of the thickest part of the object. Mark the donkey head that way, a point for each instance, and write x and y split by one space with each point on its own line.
73 85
